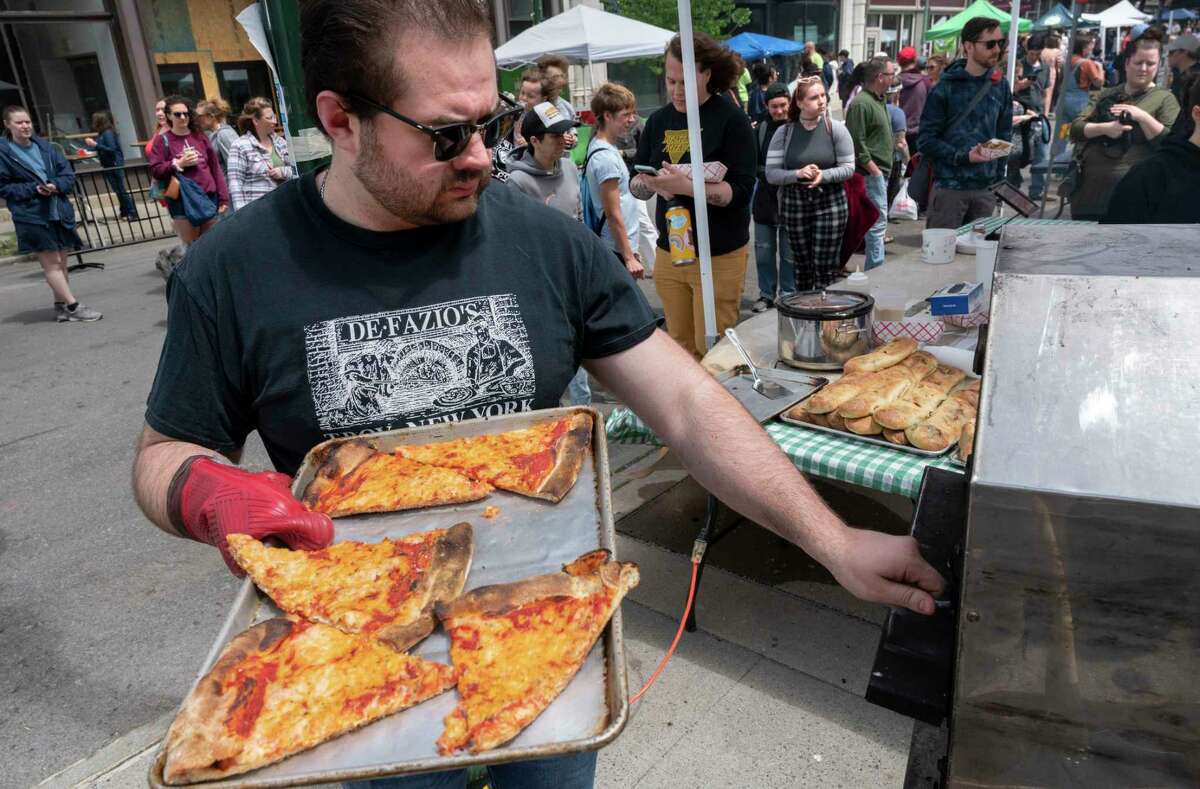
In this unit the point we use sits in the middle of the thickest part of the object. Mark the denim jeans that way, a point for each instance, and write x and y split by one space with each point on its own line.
116 184
1037 167
877 192
768 239
578 391
575 771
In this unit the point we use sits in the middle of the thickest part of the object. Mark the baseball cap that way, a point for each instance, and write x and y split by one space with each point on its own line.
907 55
776 91
1188 43
544 118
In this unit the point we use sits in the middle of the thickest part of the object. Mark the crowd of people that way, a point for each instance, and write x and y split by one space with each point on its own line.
200 166
922 129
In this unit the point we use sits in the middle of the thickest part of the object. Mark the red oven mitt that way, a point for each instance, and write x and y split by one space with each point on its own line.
209 500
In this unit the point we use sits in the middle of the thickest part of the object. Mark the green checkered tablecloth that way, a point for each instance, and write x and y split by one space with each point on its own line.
817 453
993 222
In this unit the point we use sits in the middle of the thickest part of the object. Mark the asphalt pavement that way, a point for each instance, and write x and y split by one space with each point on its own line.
104 620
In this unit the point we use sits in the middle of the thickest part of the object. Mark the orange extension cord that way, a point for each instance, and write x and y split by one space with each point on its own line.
697 555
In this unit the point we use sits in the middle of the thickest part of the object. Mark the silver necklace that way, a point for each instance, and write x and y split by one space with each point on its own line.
324 181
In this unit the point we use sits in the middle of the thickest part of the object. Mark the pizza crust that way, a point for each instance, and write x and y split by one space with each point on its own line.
569 453
448 575
333 462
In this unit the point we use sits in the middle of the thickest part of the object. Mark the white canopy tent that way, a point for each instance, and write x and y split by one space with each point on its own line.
585 35
1123 14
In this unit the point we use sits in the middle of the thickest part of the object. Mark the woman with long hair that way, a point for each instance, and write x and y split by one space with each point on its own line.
727 138
810 159
211 115
107 145
1120 127
35 179
160 124
259 159
183 151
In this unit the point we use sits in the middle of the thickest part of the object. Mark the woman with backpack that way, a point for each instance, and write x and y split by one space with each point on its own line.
184 152
35 179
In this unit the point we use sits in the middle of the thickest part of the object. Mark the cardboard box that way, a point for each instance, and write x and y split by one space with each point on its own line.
961 298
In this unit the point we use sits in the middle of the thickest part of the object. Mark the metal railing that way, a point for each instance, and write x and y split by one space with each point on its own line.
113 209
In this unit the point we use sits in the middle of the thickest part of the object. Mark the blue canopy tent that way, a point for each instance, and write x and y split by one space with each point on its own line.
1176 15
755 46
1057 18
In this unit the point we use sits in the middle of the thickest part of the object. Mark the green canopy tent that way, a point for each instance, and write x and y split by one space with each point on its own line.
952 27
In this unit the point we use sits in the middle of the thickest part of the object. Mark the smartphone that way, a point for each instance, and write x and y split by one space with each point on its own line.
645 169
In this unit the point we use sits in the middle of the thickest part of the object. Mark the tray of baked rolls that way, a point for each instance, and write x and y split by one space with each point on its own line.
896 396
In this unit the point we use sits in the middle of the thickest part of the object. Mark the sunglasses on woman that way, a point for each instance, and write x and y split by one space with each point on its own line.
181 114
451 140
995 42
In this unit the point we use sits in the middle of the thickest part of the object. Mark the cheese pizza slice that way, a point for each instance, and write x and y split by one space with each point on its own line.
353 477
284 686
516 646
385 589
542 461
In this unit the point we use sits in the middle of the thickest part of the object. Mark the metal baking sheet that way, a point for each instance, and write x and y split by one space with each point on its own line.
739 383
528 537
868 439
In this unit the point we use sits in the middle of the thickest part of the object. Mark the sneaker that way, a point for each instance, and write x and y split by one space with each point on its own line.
762 305
80 313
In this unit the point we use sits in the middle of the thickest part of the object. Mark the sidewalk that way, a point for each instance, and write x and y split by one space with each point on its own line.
767 693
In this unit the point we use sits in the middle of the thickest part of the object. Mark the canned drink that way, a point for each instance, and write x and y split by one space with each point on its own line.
680 237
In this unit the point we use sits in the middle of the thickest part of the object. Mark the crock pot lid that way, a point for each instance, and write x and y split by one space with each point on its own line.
824 301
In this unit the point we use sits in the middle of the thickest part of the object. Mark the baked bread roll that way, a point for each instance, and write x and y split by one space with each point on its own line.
895 436
966 441
893 383
800 413
919 402
867 426
836 393
893 353
945 426
835 420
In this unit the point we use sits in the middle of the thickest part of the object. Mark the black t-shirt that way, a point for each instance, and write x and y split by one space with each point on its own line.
727 138
287 320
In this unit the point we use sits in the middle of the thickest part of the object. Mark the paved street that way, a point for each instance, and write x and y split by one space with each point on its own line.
104 620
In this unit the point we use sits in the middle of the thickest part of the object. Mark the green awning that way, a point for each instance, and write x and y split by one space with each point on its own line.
952 27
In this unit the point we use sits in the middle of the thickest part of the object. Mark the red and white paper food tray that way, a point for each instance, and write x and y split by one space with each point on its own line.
714 172
969 321
926 331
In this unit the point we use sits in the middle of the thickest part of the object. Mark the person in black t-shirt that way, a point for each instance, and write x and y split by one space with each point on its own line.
402 290
727 138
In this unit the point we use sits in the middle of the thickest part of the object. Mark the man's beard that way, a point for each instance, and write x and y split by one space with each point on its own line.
412 199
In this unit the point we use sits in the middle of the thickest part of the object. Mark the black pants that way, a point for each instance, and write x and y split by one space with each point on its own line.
116 184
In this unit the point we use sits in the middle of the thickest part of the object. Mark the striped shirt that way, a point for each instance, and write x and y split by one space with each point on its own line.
248 165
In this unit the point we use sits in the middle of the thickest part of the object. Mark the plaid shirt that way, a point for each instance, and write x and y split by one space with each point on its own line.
248 165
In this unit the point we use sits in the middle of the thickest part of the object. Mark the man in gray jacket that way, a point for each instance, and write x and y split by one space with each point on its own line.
538 168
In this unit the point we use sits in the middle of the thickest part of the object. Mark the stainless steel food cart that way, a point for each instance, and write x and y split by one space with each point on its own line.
1074 548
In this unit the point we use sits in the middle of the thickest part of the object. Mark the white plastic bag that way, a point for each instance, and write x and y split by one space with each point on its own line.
903 207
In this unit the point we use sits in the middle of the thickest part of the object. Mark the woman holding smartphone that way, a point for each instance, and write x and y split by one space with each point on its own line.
183 151
35 180
810 159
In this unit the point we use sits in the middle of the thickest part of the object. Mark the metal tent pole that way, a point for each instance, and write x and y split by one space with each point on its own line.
1058 116
1014 24
696 151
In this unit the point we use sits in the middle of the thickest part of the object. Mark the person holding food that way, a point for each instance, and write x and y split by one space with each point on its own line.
400 261
1121 127
727 139
970 106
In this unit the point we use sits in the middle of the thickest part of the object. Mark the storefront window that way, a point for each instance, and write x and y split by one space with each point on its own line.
240 82
895 31
181 79
808 21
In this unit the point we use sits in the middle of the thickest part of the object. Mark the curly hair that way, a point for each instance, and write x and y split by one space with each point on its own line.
171 101
722 64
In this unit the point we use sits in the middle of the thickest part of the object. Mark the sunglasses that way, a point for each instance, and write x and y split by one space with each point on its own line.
995 42
451 140
181 114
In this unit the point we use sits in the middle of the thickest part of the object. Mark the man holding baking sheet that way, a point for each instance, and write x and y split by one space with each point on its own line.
399 248
970 105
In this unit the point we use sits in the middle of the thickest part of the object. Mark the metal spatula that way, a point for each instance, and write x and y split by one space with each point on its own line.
768 389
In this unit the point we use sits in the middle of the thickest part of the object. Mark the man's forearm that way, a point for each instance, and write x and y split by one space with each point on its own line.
639 188
158 458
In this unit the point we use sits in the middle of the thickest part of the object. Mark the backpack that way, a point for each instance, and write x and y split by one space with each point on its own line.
592 217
